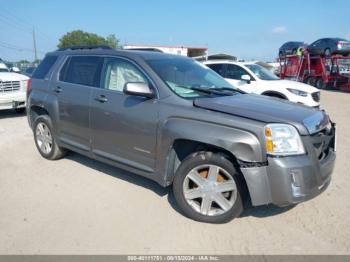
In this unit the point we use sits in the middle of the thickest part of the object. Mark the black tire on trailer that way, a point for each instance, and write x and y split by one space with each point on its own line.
310 81
320 83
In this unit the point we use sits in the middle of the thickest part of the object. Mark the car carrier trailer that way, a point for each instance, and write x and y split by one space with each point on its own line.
331 72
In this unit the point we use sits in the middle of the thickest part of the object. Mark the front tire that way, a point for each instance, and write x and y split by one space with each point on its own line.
45 140
208 188
21 110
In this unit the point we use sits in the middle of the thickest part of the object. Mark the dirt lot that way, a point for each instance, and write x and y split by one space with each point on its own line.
79 206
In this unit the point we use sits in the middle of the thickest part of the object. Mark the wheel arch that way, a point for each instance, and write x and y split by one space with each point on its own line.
182 148
36 111
275 94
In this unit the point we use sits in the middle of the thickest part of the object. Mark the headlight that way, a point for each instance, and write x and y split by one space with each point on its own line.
297 92
24 84
283 140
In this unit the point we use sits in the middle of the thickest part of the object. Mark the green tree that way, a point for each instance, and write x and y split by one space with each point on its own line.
24 61
112 41
79 37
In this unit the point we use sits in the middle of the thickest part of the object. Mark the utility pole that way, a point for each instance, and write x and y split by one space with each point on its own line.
34 43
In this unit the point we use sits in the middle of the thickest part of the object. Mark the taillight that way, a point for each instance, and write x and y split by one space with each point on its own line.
29 85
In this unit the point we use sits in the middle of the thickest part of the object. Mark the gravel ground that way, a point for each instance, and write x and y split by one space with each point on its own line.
80 206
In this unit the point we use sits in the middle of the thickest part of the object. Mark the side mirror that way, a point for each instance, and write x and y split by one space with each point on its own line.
138 89
246 78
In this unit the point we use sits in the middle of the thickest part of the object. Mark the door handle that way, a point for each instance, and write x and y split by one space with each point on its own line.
101 99
58 89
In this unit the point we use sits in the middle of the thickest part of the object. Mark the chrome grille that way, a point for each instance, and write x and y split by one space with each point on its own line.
322 141
316 96
9 86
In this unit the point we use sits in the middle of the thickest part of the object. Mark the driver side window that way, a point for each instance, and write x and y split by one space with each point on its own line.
235 72
118 72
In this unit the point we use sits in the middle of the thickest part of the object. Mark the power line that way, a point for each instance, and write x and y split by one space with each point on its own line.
17 48
22 24
3 20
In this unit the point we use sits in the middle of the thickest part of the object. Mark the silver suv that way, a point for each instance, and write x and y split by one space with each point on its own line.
177 122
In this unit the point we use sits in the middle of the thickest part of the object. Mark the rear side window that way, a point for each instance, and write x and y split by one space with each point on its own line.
44 67
82 70
218 68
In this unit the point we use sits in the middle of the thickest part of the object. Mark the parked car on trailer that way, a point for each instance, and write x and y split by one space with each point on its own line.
175 121
317 70
253 78
290 48
329 46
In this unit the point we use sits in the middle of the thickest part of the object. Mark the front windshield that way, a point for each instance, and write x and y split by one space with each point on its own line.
261 72
181 74
4 70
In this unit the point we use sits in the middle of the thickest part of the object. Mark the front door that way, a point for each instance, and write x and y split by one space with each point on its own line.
234 75
123 127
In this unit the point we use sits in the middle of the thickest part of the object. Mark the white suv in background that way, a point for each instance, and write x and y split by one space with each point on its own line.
13 88
253 78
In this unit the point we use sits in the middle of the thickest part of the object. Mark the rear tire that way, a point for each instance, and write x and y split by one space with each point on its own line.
45 140
213 204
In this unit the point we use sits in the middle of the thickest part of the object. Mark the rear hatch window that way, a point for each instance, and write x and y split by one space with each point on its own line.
44 67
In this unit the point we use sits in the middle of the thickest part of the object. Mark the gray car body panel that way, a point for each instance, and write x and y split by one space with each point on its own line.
138 134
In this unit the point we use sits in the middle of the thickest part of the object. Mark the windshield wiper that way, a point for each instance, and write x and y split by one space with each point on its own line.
231 89
211 90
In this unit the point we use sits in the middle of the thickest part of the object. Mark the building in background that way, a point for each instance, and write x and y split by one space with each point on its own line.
175 50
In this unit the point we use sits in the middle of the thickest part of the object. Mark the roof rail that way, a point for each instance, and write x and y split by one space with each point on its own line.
85 47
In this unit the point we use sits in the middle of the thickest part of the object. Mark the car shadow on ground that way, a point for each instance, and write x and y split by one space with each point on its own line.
260 212
265 211
10 114
118 173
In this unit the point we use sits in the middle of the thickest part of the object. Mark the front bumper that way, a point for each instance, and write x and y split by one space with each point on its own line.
289 180
12 100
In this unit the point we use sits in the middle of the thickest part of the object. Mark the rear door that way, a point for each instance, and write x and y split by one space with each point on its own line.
78 77
124 128
218 68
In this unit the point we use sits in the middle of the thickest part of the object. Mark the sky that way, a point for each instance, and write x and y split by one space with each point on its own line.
252 29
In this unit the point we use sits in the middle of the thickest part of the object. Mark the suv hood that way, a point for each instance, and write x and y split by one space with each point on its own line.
9 76
268 110
290 84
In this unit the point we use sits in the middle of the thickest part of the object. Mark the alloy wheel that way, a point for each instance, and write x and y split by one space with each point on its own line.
210 190
43 138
